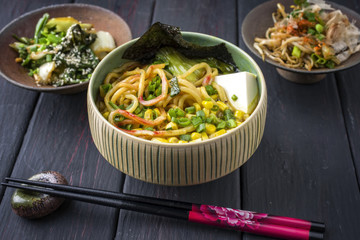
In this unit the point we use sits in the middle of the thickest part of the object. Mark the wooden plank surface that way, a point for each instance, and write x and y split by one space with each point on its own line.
307 165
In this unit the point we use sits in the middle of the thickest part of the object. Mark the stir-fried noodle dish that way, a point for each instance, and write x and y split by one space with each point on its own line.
312 35
171 99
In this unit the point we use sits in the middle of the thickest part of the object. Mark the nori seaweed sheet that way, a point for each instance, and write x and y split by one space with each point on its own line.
162 35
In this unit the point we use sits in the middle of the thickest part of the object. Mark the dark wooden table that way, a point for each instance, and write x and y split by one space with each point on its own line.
307 165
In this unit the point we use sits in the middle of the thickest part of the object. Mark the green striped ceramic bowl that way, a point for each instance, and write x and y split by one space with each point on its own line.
177 164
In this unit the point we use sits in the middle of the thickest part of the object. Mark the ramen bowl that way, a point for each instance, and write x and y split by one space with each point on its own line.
177 164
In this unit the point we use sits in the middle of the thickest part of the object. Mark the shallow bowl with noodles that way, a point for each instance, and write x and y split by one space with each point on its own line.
100 18
262 16
177 164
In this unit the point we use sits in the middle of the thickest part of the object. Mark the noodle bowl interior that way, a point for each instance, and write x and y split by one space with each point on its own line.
148 101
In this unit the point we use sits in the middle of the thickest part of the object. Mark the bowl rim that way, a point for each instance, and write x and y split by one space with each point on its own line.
190 144
249 45
66 88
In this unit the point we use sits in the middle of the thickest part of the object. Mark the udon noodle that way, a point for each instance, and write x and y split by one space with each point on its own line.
149 102
312 35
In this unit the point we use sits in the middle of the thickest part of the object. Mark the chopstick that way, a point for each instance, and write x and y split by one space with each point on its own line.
246 221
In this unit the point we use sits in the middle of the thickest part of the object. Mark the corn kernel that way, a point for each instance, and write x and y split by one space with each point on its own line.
157 111
197 106
210 128
195 135
204 136
148 115
172 126
157 139
239 114
106 115
207 112
218 133
182 141
196 140
168 117
238 123
207 104
214 97
222 105
173 140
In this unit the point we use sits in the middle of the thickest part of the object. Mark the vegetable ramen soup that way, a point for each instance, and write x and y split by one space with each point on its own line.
151 102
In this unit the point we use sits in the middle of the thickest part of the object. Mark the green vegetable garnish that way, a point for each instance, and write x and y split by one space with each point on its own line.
221 125
234 97
319 28
210 90
113 105
183 122
190 109
231 123
40 26
201 127
196 121
296 52
185 137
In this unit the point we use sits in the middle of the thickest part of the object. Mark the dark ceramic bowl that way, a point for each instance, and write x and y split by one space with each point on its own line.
102 19
251 30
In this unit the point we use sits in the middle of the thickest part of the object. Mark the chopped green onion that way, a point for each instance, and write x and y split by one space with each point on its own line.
311 31
196 121
201 128
231 123
172 112
185 137
330 64
104 88
149 128
310 16
179 112
201 114
234 97
128 126
296 52
190 109
221 125
320 36
128 107
174 119
319 28
228 114
210 90
183 122
158 91
137 110
113 105
118 118
150 97
215 108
